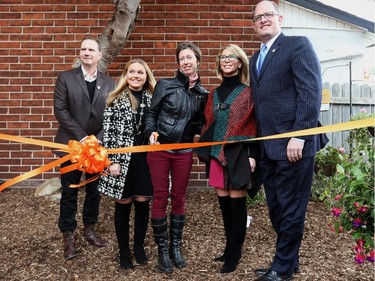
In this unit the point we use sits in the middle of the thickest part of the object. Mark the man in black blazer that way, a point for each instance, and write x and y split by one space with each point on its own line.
79 102
287 90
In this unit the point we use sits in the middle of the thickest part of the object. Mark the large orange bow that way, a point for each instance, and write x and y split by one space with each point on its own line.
88 156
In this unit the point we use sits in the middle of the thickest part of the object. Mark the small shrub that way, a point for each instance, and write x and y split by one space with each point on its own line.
349 192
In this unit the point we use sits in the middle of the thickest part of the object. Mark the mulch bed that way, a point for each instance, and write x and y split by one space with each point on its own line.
31 244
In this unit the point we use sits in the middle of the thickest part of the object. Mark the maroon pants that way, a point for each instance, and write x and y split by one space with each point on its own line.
162 164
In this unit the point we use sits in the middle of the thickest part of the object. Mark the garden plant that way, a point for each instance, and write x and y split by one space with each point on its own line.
348 188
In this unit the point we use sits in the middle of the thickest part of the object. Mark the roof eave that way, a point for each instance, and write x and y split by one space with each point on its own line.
334 12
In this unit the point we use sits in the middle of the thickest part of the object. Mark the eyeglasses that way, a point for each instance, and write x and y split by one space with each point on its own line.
267 16
231 57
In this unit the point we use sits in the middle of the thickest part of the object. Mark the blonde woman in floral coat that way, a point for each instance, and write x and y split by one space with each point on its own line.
128 179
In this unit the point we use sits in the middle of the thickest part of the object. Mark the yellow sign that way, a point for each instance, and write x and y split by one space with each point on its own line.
326 99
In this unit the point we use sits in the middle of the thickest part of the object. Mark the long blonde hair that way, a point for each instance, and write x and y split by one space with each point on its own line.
123 85
243 72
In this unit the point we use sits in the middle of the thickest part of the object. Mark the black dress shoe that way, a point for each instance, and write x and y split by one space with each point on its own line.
274 276
262 271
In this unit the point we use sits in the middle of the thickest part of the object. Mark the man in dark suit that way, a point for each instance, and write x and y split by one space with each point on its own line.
79 102
287 90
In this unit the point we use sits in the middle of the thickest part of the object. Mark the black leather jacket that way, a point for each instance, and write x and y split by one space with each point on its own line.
176 111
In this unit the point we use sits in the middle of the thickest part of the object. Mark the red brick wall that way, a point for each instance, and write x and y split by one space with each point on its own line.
38 39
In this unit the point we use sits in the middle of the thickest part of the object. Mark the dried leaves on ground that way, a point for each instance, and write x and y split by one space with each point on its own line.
31 244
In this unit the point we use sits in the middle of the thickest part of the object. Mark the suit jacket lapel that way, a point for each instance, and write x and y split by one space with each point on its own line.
272 51
99 81
81 82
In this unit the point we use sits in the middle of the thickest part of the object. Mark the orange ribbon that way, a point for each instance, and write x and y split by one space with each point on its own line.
87 156
35 172
91 157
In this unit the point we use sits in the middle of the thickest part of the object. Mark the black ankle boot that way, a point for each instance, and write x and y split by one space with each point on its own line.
140 254
238 233
122 213
159 227
141 218
231 261
126 260
224 203
176 230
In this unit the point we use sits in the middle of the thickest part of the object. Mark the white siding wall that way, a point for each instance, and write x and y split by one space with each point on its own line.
297 16
336 42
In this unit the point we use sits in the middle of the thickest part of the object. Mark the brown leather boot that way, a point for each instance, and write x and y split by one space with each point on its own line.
69 245
92 238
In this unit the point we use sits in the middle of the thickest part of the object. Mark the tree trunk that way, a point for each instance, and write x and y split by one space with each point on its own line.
114 37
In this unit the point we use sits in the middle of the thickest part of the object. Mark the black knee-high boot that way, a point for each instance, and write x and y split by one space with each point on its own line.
160 229
122 213
237 236
224 203
141 218
176 230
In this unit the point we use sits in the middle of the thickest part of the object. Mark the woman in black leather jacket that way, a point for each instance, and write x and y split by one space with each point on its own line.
175 116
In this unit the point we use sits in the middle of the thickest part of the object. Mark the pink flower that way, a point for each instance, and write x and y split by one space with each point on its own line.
370 257
359 258
358 250
359 208
336 212
334 229
341 149
359 255
363 110
360 242
363 209
338 197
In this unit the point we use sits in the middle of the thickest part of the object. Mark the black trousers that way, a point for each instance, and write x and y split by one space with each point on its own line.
68 203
